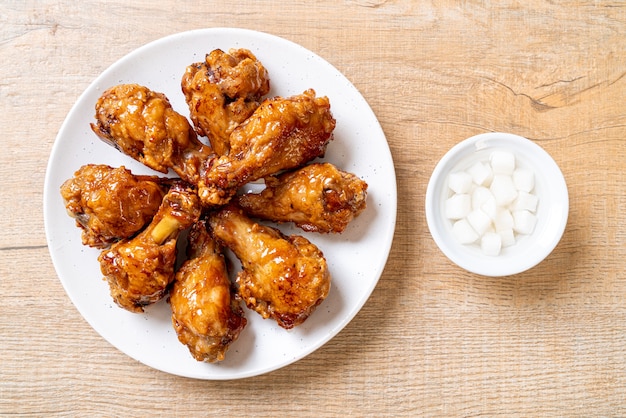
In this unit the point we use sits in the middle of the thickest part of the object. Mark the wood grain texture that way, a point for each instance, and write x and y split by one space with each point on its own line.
433 340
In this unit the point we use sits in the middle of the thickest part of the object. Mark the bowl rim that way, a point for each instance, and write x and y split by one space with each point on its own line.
546 237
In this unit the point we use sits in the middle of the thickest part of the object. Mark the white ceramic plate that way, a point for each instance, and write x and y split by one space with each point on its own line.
356 258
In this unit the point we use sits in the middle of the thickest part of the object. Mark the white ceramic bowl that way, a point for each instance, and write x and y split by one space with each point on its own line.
552 210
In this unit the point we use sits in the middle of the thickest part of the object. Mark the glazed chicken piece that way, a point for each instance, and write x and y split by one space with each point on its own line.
282 134
110 204
317 198
142 124
284 278
205 313
222 92
139 270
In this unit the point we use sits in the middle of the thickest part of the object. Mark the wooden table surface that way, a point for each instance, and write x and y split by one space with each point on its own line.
433 339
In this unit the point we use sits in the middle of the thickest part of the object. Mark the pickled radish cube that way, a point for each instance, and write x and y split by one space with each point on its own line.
524 222
479 221
502 162
507 236
458 206
491 244
503 189
526 201
463 232
490 208
460 182
524 179
479 196
481 173
503 220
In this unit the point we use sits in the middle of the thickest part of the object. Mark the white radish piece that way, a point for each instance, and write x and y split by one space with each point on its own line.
507 236
504 220
479 196
524 222
524 179
463 232
479 221
458 206
491 244
502 162
460 182
481 173
490 207
526 201
503 189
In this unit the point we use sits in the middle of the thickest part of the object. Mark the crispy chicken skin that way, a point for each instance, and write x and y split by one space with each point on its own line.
284 278
142 124
109 203
139 270
205 313
317 198
222 92
282 134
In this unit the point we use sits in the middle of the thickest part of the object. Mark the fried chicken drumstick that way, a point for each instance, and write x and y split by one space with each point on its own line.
317 198
222 92
142 124
139 270
283 133
205 313
110 204
284 278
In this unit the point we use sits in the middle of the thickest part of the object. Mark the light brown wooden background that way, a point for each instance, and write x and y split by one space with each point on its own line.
432 340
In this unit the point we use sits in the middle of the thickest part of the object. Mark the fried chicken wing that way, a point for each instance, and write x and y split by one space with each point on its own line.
222 92
318 198
142 124
139 270
284 278
109 203
283 133
205 313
